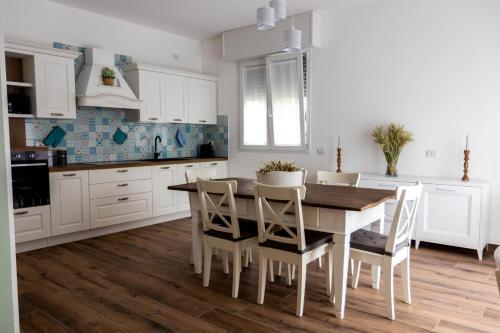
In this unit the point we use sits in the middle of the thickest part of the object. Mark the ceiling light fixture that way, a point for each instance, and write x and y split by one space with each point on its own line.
293 39
279 9
266 18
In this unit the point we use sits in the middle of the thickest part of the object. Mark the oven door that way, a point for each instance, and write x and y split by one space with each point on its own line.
30 184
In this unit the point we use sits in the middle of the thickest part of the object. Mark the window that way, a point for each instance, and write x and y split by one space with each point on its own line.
274 108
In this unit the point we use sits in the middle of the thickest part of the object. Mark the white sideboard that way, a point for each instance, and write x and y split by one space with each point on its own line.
451 212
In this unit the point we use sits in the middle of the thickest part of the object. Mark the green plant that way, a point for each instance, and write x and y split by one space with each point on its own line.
392 140
107 73
278 165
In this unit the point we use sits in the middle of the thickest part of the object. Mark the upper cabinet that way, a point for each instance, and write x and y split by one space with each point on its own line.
41 81
172 96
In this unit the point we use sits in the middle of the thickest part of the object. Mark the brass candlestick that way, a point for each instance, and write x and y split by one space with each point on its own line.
465 178
339 160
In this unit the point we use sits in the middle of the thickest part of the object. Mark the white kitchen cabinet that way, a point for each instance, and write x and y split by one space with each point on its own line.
32 223
220 168
183 197
176 99
202 101
115 210
69 196
149 87
55 87
164 200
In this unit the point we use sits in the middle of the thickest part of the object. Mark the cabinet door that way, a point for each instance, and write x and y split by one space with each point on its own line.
32 223
450 215
219 166
55 87
151 92
202 101
183 197
69 196
164 200
176 99
115 210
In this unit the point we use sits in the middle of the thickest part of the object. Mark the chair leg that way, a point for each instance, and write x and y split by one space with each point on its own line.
236 271
329 272
405 274
208 263
355 274
351 266
250 256
271 270
288 274
246 254
301 286
293 272
225 262
388 271
320 262
280 267
262 277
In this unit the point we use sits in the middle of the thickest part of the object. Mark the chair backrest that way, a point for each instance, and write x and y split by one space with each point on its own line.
213 195
335 178
497 272
192 175
404 217
288 197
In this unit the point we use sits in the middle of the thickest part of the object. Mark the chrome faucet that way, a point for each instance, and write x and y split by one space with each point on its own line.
156 152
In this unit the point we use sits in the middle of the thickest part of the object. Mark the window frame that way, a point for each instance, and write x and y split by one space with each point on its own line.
305 103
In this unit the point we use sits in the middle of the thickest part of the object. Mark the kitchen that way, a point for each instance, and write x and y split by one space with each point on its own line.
98 170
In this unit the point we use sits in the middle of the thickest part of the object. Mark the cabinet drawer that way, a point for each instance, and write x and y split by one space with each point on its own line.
119 175
32 223
115 210
120 188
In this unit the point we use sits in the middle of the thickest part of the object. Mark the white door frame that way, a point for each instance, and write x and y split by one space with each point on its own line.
9 311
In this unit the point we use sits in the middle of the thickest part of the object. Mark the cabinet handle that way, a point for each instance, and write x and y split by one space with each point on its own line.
177 119
123 199
154 119
189 166
69 174
57 114
440 189
202 121
122 185
165 168
388 186
121 171
21 213
214 163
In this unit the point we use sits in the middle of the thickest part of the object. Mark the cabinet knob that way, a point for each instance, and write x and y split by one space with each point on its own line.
202 121
154 119
21 213
177 119
165 168
57 114
69 174
121 171
189 166
123 199
122 185
214 163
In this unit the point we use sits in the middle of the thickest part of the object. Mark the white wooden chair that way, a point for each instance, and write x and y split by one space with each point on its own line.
497 272
192 175
228 233
282 242
388 251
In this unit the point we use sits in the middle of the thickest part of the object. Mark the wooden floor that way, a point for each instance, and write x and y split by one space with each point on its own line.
141 281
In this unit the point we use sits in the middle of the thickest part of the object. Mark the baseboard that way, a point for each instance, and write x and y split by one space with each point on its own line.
73 237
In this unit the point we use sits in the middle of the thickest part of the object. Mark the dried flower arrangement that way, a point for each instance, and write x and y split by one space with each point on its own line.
392 140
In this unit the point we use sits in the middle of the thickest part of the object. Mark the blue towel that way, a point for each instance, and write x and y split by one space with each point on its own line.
55 137
120 136
180 138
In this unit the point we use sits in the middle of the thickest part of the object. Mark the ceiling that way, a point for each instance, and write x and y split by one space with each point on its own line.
198 19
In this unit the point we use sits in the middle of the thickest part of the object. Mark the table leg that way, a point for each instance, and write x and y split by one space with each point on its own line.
340 268
375 268
197 240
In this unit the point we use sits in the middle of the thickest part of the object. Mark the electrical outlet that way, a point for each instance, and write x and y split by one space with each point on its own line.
320 151
431 153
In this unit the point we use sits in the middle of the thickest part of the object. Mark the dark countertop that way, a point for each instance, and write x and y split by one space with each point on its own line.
130 164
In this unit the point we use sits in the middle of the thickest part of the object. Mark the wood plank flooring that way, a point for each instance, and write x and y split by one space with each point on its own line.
141 281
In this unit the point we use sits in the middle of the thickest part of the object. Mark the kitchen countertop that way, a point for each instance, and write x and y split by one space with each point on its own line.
130 164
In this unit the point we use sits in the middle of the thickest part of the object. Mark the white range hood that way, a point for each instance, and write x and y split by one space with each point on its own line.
90 90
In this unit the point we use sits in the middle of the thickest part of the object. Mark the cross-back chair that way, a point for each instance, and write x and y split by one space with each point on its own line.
289 243
389 251
224 231
335 178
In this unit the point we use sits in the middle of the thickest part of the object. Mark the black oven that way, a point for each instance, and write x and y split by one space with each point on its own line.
30 179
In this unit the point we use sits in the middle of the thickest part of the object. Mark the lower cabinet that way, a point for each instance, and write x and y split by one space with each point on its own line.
220 168
183 197
164 200
32 223
115 210
69 197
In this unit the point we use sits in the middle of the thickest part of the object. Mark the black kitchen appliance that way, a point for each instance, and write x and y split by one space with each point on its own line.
19 104
30 178
206 150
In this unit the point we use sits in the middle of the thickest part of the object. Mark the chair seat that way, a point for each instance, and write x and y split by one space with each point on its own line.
248 229
373 242
314 239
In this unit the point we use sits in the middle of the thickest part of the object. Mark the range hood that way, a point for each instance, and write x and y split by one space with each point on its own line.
90 90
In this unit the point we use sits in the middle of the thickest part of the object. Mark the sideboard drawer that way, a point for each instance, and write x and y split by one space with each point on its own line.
120 188
115 210
119 175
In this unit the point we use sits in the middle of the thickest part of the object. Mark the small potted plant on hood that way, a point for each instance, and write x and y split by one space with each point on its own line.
281 173
108 76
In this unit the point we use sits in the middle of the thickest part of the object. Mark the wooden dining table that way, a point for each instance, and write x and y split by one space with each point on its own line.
340 210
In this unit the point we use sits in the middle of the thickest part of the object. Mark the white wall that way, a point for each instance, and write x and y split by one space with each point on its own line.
9 313
44 22
433 65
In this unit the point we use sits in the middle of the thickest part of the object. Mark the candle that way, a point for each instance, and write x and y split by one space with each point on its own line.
467 142
338 142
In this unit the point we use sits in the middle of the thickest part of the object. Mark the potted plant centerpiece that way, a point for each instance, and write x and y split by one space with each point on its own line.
392 140
108 76
281 173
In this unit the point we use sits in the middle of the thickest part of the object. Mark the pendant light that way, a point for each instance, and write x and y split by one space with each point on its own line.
293 39
265 18
279 9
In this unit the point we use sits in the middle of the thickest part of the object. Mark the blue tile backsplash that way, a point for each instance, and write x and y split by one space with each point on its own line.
89 138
